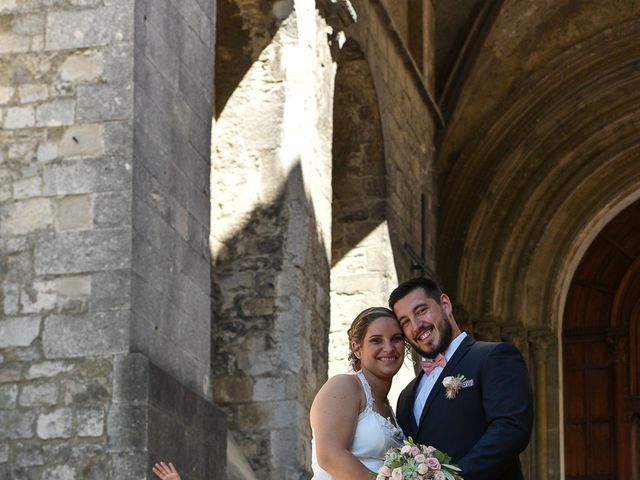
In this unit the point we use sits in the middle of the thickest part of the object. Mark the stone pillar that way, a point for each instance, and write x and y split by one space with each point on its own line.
487 329
540 341
101 255
271 212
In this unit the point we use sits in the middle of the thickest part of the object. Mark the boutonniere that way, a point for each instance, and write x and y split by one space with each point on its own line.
453 385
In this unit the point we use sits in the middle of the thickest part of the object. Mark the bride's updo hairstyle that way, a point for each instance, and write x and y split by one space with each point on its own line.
359 329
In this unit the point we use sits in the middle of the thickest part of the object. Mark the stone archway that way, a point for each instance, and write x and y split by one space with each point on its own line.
599 343
362 271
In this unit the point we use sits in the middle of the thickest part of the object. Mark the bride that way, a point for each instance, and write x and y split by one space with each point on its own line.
352 421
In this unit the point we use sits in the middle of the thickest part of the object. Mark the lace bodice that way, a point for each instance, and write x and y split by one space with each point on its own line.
374 435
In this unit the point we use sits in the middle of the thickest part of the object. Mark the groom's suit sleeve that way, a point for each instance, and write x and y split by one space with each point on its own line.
508 407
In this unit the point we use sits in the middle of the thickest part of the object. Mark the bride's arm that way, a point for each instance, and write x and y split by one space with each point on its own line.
334 415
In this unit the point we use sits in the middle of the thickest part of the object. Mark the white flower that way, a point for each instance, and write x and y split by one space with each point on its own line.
397 474
452 385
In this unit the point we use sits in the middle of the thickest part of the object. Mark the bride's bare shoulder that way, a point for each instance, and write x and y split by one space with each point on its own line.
340 386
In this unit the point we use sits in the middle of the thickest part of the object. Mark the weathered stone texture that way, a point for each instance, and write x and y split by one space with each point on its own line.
171 285
271 210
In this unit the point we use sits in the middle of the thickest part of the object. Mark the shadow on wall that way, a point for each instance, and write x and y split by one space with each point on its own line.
358 176
270 331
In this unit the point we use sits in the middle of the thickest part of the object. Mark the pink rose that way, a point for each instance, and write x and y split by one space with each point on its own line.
384 470
396 474
415 451
433 463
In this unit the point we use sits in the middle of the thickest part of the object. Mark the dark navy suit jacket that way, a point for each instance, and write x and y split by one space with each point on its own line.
486 426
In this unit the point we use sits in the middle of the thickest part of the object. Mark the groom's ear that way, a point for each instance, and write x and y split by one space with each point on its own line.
445 301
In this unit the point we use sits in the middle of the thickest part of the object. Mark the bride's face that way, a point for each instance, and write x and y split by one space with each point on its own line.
382 348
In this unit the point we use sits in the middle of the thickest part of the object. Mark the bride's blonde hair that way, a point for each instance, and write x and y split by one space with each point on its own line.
359 329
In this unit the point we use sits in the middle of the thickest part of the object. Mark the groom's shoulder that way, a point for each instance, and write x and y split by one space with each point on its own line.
482 348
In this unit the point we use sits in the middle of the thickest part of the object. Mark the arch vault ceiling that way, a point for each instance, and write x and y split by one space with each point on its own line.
541 146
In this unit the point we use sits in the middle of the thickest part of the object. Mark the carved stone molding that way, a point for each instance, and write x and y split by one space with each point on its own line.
540 340
487 329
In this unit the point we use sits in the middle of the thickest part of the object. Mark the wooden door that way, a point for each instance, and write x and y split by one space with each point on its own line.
601 356
588 408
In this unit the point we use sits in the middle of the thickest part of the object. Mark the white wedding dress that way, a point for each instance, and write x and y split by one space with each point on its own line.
373 437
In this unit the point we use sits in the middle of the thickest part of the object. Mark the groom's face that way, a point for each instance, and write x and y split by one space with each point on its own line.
425 322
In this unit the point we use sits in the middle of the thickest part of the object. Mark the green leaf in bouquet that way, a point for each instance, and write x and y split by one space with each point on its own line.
451 467
448 475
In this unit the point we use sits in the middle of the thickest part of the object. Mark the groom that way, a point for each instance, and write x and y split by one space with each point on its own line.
473 399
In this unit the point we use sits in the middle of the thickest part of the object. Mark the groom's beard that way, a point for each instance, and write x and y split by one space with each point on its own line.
445 335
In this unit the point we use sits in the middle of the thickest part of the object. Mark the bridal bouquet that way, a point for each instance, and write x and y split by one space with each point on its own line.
417 462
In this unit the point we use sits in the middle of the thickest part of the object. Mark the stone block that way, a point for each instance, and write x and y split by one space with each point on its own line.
10 372
76 286
12 43
6 94
4 452
78 252
104 102
40 297
19 117
30 24
27 188
48 369
19 332
56 113
90 422
199 20
83 140
233 389
43 394
268 389
110 290
8 395
11 301
28 455
110 210
118 138
83 66
15 424
47 151
91 27
25 216
33 92
90 334
126 428
75 212
61 472
86 176
19 267
55 424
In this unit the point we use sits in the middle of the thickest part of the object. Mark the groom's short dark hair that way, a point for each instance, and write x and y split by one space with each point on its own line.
429 286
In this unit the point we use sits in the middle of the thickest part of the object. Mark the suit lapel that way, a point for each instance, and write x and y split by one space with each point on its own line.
407 408
449 368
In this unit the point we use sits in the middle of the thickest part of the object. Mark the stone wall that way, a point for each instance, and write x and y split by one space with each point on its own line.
271 218
174 60
78 250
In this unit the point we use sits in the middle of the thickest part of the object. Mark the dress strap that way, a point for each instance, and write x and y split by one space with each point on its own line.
366 387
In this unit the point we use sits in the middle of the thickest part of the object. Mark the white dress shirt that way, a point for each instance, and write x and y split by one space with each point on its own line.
428 381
